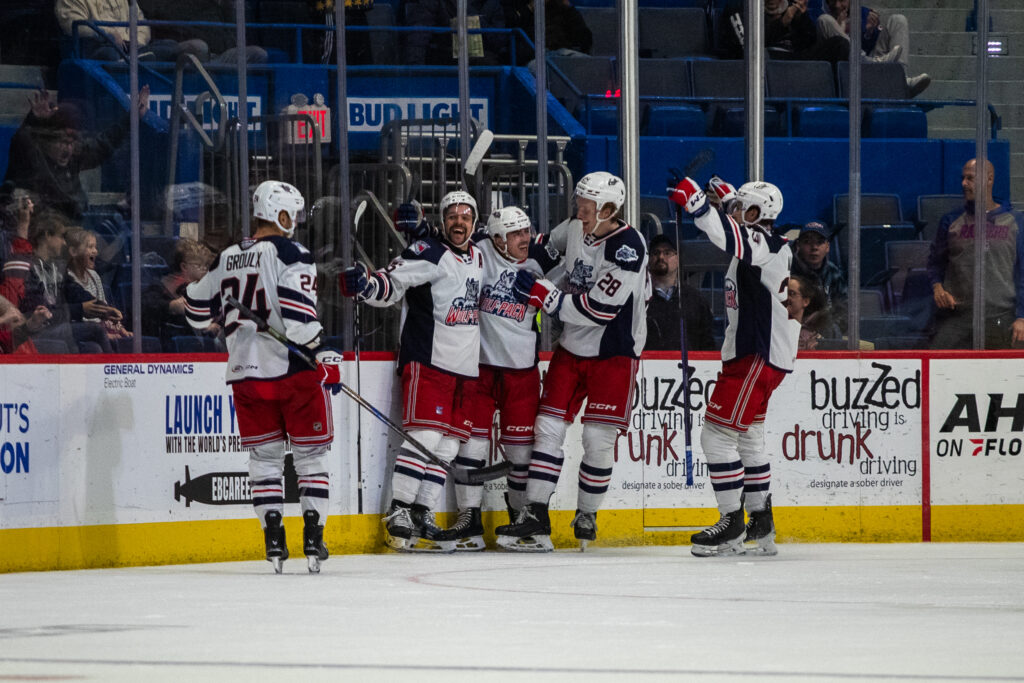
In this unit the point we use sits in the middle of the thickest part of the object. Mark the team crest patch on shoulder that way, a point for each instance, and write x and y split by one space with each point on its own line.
626 254
551 251
418 247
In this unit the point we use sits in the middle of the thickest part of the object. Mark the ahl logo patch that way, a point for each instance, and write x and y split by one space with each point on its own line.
626 254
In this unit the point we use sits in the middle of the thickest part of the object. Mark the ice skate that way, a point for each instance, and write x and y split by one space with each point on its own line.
761 531
427 535
512 512
584 527
467 533
399 529
724 538
313 541
531 532
273 537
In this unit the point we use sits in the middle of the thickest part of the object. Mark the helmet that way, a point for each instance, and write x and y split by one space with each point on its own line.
272 197
765 196
459 197
505 220
603 188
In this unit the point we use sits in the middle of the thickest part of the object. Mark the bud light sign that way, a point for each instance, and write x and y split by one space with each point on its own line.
369 114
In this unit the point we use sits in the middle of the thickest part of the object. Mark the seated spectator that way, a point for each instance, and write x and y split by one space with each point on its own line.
565 31
52 316
16 208
82 283
789 33
884 37
14 329
113 44
48 152
810 259
442 48
211 44
672 298
163 302
951 271
806 304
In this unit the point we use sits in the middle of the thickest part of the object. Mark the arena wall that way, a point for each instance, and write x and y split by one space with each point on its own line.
133 460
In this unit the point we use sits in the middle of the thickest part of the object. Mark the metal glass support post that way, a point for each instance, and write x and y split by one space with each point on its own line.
133 180
540 60
346 236
853 220
243 117
981 178
464 113
629 106
754 57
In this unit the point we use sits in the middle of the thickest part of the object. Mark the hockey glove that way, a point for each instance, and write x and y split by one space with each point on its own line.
542 294
722 189
354 281
410 222
688 195
328 364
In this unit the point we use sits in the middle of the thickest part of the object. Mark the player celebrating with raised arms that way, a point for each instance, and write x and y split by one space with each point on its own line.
759 350
437 279
277 395
602 303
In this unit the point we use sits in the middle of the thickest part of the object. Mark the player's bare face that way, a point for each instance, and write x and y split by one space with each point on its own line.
517 244
751 215
590 217
458 224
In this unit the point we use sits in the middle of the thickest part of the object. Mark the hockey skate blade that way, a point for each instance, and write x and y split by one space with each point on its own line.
583 544
470 544
423 545
730 549
277 563
526 544
313 564
763 546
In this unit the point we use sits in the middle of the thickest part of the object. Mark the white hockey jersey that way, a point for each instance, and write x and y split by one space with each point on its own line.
756 282
508 334
607 287
440 292
276 278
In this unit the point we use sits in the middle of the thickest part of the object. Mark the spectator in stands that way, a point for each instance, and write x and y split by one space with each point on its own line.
789 33
565 31
806 304
672 298
951 270
10 316
810 259
82 283
318 48
48 152
210 44
163 302
112 44
884 37
44 288
442 48
16 208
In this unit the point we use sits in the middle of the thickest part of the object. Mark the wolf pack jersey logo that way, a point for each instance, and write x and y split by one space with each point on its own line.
579 279
498 300
465 309
626 254
731 300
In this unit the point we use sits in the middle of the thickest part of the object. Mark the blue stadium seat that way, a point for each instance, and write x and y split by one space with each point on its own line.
931 208
599 119
821 121
895 122
676 120
672 32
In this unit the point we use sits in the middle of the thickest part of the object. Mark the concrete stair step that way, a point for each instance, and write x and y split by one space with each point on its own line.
998 90
944 18
966 5
31 76
962 67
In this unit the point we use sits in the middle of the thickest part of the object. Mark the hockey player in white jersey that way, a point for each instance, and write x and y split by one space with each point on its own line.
759 350
277 396
438 282
509 380
602 304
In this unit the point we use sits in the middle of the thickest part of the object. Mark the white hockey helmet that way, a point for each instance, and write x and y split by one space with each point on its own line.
459 197
765 196
603 188
507 219
272 197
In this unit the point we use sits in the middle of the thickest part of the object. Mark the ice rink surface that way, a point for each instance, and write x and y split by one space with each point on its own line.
900 612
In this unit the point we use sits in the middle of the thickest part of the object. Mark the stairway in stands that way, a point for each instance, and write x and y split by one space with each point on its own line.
940 46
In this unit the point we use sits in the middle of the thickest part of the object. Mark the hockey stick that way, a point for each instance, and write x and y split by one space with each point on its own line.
460 475
471 163
702 158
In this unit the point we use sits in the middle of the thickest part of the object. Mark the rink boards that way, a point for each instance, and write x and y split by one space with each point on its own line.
136 460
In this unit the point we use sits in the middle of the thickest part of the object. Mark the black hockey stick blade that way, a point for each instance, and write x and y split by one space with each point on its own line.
460 475
699 161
